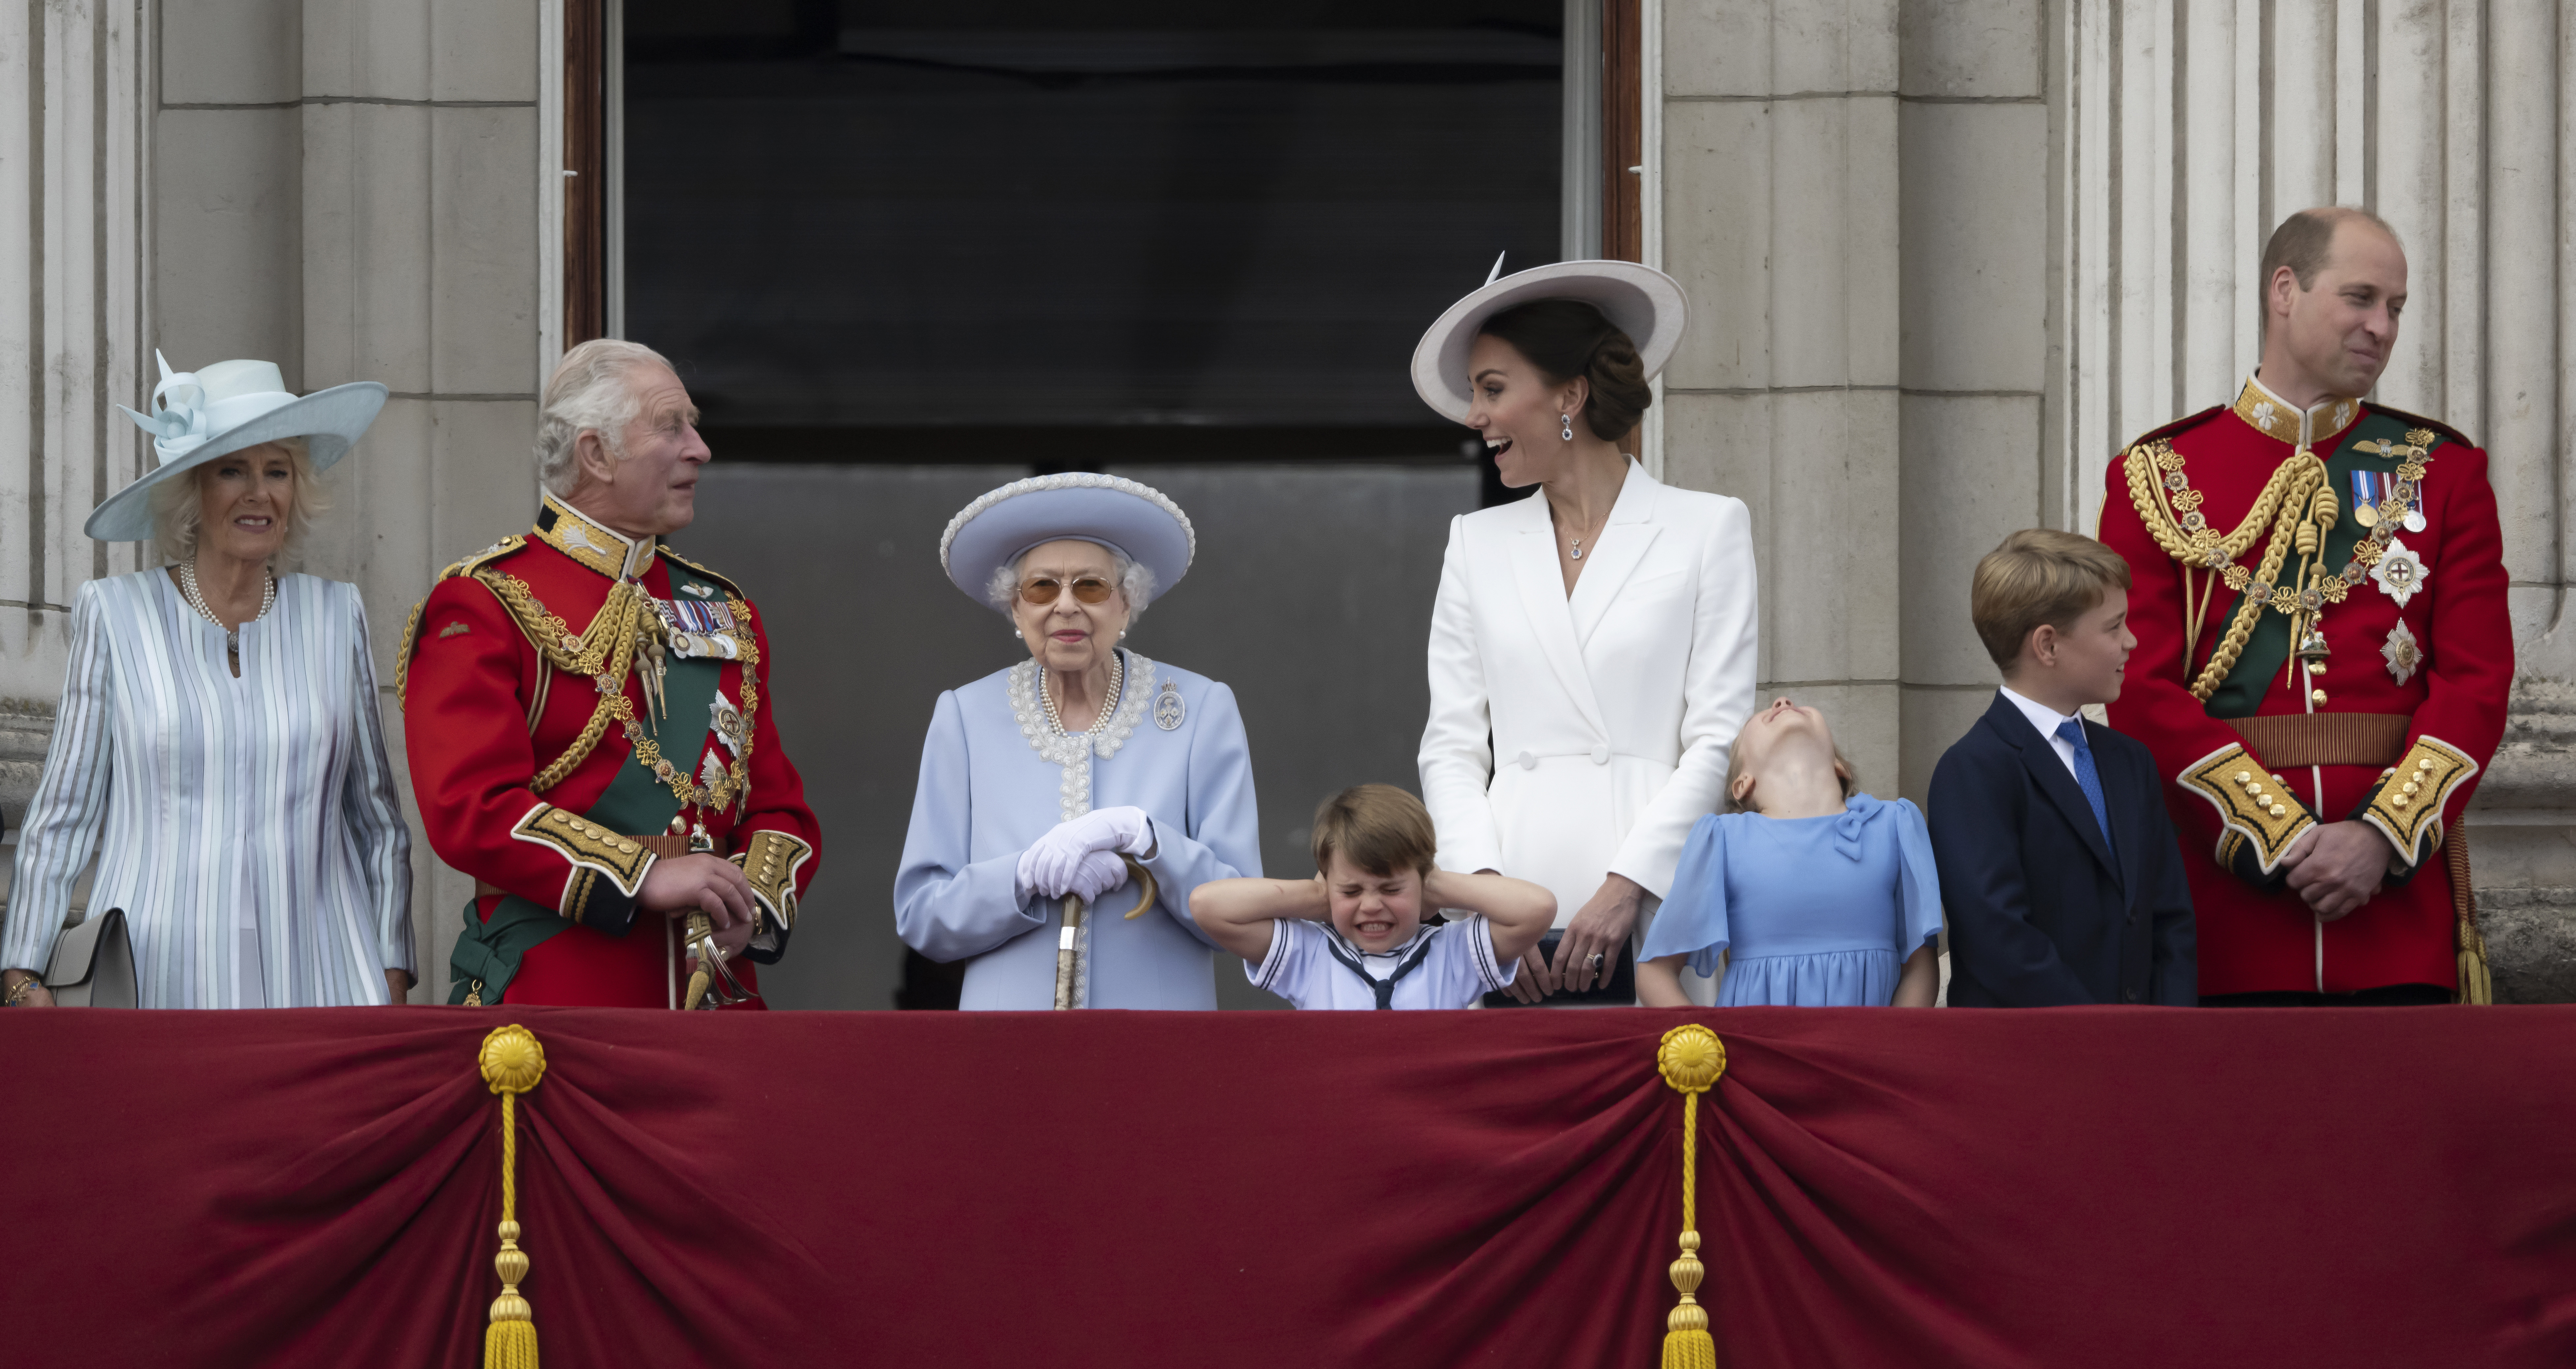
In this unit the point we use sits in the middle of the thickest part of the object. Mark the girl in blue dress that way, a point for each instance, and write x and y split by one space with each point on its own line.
1804 893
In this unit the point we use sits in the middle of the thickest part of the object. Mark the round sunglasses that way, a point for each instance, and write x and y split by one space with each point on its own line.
1088 589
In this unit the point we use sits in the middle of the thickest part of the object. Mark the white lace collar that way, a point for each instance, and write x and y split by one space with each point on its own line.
1075 751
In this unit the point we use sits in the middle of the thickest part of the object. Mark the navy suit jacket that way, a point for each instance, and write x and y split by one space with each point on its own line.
2040 912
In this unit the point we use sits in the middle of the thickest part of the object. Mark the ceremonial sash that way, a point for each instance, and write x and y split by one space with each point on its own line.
637 802
2240 695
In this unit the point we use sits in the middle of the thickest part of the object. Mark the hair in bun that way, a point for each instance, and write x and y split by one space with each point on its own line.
1566 338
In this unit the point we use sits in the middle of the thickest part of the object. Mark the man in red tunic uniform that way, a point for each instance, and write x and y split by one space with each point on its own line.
583 712
2323 647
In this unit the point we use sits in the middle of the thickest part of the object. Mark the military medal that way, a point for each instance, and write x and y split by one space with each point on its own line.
728 724
2403 653
2368 488
2400 572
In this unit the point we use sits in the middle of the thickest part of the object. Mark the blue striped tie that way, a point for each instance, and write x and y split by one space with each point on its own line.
2086 776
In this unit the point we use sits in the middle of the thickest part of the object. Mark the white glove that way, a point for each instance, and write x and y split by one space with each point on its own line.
1050 864
1099 872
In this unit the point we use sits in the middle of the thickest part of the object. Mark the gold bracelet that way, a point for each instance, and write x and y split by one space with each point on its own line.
18 995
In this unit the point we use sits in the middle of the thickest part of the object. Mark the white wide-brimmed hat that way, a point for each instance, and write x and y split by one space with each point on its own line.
1640 301
227 407
1136 521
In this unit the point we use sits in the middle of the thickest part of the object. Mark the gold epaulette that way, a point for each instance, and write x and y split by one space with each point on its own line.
411 628
2408 806
2260 817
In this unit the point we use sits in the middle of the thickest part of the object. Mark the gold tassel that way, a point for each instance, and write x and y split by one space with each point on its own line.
512 1062
2476 985
1690 1058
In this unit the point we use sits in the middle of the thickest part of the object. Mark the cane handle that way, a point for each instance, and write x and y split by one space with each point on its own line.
1144 878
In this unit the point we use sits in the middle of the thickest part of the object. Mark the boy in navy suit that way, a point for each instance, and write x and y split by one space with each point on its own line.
2059 867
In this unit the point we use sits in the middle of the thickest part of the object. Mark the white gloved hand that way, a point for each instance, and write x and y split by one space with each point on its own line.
1093 874
1100 872
1050 863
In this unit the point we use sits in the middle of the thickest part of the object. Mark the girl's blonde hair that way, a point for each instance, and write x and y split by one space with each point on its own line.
1735 768
178 505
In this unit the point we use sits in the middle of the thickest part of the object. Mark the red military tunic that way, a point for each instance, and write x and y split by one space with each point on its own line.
544 742
2391 671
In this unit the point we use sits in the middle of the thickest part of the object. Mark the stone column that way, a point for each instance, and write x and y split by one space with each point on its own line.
1975 159
74 172
349 189
1778 184
2187 132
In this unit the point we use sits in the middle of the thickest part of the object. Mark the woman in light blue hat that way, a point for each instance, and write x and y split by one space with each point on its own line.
218 744
1086 775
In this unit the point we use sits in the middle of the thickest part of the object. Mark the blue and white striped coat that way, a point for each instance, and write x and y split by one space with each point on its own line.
226 804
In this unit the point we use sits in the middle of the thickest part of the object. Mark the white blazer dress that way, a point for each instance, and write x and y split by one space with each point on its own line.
1611 711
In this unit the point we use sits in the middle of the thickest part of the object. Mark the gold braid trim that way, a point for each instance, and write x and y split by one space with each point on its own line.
603 653
2293 515
2170 508
402 656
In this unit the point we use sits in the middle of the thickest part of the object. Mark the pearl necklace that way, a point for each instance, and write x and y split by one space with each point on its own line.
197 601
1108 709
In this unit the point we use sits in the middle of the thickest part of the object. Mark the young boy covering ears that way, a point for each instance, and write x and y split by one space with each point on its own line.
1353 937
2059 868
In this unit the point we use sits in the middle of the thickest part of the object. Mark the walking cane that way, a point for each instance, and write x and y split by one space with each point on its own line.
1067 959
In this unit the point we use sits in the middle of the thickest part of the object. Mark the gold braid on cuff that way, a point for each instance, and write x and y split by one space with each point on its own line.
2261 816
770 860
587 845
2408 806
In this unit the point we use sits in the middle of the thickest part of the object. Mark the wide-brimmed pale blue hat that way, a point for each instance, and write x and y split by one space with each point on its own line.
1640 301
228 407
1137 521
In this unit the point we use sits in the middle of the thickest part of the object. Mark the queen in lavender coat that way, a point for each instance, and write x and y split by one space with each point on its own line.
1044 778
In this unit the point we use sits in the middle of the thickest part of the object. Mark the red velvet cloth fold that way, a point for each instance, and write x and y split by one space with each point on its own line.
2095 1187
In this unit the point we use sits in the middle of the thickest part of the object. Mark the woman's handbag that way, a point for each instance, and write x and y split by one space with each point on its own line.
1617 987
93 964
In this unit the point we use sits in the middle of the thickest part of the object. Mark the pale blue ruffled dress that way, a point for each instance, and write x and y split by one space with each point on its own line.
1815 912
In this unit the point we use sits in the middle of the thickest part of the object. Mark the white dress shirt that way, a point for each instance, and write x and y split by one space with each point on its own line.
2048 720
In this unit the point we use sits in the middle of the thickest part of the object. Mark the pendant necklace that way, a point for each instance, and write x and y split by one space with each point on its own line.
197 600
1578 543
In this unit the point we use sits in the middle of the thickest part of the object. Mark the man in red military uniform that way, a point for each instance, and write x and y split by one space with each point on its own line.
2323 647
583 713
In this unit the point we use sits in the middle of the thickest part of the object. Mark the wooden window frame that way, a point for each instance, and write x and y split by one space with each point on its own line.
1623 121
585 164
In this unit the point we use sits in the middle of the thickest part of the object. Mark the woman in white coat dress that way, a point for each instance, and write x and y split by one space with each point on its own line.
1601 632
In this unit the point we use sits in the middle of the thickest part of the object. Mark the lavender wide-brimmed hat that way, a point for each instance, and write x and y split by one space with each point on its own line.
1136 521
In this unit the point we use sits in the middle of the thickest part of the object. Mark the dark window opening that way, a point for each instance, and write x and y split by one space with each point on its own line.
1068 235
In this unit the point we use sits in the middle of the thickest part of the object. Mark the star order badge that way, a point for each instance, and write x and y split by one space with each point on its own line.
2403 652
2400 572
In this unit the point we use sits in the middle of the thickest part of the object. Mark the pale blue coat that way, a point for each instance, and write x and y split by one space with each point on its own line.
987 793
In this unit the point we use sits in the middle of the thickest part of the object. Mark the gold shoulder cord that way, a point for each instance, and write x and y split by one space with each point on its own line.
2296 502
603 654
